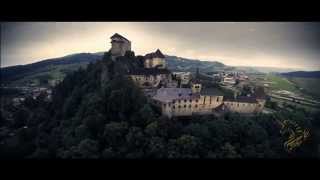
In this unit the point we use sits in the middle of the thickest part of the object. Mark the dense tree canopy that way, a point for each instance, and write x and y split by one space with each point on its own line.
98 113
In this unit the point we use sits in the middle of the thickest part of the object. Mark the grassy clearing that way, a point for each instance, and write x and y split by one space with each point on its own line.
308 85
56 72
281 83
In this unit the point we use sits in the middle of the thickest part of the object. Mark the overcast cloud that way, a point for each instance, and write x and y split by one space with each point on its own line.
275 44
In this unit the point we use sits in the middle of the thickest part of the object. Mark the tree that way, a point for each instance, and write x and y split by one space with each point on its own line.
114 132
228 151
94 123
152 129
185 146
156 147
135 139
88 149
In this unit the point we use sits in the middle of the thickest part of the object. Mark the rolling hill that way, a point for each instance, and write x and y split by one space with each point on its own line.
183 64
302 74
57 68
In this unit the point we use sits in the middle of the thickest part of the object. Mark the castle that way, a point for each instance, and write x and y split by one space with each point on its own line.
197 101
119 45
174 101
154 72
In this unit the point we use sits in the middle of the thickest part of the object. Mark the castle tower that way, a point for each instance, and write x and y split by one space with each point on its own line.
119 45
195 83
196 87
155 60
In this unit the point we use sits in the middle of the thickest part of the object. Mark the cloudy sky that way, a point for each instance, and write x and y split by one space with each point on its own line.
273 44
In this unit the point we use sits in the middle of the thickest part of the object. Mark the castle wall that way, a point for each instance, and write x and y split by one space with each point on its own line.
119 47
151 63
261 103
188 107
242 107
153 80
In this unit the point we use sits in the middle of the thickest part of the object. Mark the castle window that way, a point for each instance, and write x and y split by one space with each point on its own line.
173 107
179 94
185 100
179 101
164 105
185 106
189 105
217 99
179 106
196 100
196 106
190 100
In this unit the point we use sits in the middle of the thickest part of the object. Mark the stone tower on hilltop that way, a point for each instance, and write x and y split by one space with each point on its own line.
119 45
155 60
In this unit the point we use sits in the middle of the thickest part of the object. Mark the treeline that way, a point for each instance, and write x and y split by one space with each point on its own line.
99 113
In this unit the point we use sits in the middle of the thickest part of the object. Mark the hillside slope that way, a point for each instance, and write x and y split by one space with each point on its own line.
96 112
183 64
304 74
52 68
57 68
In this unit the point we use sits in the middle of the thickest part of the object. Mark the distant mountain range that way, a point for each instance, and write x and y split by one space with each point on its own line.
13 73
304 74
175 63
57 68
262 69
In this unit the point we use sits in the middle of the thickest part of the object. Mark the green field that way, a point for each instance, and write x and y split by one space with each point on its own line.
50 73
281 83
309 85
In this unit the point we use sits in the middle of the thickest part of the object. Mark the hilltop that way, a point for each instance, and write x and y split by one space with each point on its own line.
58 68
302 74
96 112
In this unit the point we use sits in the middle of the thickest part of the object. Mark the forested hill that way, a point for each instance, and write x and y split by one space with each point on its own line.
183 64
57 68
96 112
13 73
304 74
